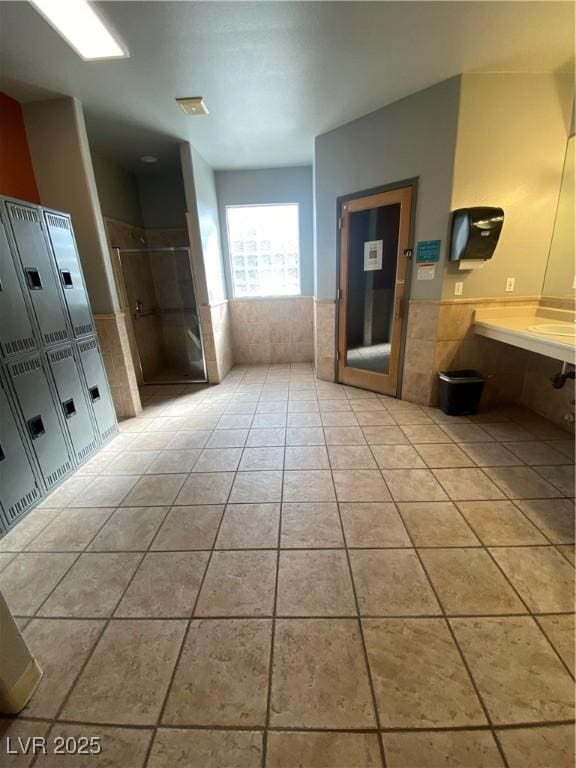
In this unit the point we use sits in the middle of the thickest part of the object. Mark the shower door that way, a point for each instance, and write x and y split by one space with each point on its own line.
159 297
374 235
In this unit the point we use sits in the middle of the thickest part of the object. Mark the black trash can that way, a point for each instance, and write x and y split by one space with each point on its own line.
460 392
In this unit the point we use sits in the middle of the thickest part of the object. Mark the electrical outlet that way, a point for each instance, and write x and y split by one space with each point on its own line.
458 288
510 283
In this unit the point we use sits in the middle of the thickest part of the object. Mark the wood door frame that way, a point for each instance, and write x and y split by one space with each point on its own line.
374 382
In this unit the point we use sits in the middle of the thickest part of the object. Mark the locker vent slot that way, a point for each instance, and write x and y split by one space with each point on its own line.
108 433
60 354
24 214
86 346
19 345
26 366
82 330
58 474
23 503
87 451
55 336
57 221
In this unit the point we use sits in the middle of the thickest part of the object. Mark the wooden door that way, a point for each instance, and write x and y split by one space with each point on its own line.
374 234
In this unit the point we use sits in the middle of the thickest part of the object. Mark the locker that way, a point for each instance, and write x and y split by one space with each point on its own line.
38 273
98 392
73 402
41 418
16 332
19 489
71 280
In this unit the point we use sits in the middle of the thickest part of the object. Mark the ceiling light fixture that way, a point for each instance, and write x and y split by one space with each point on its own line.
149 159
80 25
193 105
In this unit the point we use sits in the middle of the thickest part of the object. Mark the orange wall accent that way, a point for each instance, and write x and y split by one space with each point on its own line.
16 172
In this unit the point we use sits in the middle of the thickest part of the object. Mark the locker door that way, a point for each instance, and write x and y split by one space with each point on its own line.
75 409
98 392
39 277
16 333
64 246
18 487
39 410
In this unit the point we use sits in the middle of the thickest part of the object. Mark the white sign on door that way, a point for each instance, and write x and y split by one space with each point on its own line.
372 255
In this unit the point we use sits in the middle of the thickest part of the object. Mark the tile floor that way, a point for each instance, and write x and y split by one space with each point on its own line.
285 572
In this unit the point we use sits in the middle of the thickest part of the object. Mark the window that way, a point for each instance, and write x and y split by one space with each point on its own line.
264 249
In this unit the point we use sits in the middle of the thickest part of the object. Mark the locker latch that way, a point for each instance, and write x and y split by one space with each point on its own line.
36 427
33 279
94 393
66 276
69 408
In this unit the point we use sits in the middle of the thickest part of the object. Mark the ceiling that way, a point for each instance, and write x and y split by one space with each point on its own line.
273 74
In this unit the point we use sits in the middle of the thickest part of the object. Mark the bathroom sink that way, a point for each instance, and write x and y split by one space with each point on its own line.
553 329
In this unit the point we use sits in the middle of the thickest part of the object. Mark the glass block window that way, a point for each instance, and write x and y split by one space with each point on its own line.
264 249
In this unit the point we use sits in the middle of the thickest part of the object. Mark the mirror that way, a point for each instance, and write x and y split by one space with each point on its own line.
559 281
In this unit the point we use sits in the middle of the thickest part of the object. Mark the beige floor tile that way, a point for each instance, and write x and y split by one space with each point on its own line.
541 575
206 749
249 526
46 639
426 433
419 678
567 551
312 485
269 420
287 749
227 438
128 674
366 404
189 527
174 462
93 586
130 463
436 524
520 678
331 405
374 419
314 583
351 457
222 675
560 631
340 419
252 487
218 460
28 580
467 433
262 458
71 531
28 529
360 485
543 747
19 728
119 443
5 558
397 457
274 406
429 749
166 585
565 447
206 488
344 436
304 420
199 421
236 421
262 437
414 485
238 584
391 582
154 491
537 453
309 525
554 517
521 483
500 523
121 747
376 435
306 457
560 477
129 529
408 417
491 454
468 484
467 582
189 440
506 432
105 492
305 436
373 524
319 675
65 494
438 455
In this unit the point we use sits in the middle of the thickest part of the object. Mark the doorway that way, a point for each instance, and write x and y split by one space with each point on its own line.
158 296
374 235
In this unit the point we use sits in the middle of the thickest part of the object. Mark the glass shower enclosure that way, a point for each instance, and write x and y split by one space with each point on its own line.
159 296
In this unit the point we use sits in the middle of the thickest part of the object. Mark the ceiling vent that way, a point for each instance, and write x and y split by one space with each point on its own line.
193 105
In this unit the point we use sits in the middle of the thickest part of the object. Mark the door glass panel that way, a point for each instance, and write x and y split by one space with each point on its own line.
373 251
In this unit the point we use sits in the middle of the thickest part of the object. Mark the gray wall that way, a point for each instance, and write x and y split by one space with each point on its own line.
271 185
162 198
117 191
414 137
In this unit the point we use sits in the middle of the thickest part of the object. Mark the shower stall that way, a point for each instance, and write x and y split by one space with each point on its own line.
158 294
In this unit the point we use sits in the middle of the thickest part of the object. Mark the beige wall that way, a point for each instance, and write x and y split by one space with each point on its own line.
559 279
512 132
117 190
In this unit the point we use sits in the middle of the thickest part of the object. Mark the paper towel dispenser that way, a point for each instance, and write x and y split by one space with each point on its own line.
475 233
